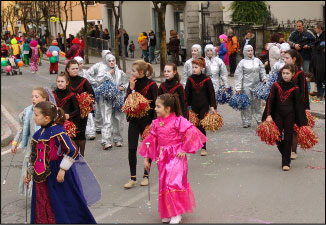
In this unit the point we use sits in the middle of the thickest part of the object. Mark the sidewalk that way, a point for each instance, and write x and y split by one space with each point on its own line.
6 132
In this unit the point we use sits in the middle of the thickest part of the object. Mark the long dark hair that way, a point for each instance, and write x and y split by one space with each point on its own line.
175 69
298 59
172 101
55 113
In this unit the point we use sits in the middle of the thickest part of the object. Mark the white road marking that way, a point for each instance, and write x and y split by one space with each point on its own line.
110 212
12 121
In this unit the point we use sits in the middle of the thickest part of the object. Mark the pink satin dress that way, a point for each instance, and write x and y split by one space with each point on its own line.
169 136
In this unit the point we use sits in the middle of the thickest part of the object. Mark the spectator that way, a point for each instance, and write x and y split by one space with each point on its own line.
26 49
152 44
174 46
92 33
106 34
132 49
101 32
233 48
144 46
273 49
223 49
303 41
320 35
75 50
69 41
265 59
317 67
97 32
249 40
281 41
59 40
125 41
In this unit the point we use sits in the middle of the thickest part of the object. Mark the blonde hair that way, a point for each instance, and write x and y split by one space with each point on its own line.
144 66
42 92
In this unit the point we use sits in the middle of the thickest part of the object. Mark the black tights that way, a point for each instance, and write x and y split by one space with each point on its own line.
81 146
201 114
285 124
294 142
136 127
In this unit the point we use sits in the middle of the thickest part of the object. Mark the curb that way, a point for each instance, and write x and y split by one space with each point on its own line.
6 134
318 115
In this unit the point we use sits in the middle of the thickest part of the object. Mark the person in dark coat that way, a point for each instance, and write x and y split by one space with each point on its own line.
317 67
174 46
249 40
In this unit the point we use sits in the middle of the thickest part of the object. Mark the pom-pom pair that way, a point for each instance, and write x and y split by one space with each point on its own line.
70 128
306 136
85 101
212 122
239 102
268 132
223 96
107 90
261 91
136 105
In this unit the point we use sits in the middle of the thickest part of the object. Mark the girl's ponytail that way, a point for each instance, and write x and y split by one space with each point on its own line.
177 105
61 118
149 70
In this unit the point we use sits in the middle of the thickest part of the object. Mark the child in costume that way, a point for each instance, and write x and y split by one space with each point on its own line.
187 68
23 137
283 107
249 72
223 49
34 56
171 137
56 196
200 94
26 49
90 127
139 82
293 57
79 86
172 85
66 99
54 47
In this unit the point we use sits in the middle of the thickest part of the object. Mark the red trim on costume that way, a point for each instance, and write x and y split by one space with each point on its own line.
165 90
145 90
62 102
78 89
198 86
284 95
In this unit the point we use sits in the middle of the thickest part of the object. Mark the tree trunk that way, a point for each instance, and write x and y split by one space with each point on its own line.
85 39
161 24
116 38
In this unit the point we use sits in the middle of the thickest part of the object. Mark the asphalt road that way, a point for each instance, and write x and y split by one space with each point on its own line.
239 181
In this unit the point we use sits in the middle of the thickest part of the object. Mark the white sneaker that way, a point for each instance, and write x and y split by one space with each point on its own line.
166 220
176 219
118 144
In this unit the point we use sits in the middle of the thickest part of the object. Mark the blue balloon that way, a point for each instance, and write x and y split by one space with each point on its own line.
17 60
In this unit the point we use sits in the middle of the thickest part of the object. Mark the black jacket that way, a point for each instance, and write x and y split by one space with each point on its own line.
318 41
303 38
251 42
152 41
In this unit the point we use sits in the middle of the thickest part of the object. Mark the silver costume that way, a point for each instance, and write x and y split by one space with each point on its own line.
216 69
187 69
249 72
112 119
90 127
280 63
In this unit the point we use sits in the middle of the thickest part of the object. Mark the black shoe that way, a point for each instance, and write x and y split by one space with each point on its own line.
56 72
51 72
98 132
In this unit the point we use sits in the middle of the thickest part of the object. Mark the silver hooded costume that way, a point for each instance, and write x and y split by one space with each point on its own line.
90 127
112 119
280 63
187 69
249 72
216 69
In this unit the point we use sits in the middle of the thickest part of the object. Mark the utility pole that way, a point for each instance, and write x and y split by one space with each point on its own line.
122 39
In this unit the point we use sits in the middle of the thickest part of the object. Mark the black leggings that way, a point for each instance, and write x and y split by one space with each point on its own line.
136 128
201 114
285 123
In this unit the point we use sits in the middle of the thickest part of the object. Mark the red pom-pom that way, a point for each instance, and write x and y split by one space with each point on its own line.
306 137
136 105
193 118
146 132
311 119
85 101
268 132
70 128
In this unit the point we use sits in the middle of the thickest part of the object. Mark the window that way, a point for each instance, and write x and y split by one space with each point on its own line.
90 3
179 26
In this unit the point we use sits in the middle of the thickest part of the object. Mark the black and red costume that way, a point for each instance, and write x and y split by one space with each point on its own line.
66 100
174 86
200 96
148 88
79 85
284 105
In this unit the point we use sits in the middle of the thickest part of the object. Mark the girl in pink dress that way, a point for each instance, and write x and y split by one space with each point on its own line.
170 138
34 56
